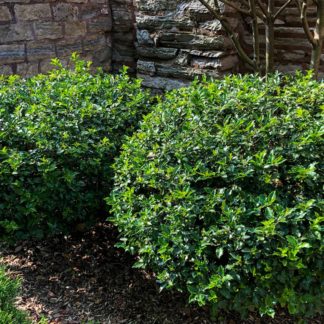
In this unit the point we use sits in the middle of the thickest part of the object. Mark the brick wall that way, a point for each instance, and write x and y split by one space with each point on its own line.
34 31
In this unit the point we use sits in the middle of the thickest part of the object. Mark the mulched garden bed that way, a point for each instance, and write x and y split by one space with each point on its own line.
85 279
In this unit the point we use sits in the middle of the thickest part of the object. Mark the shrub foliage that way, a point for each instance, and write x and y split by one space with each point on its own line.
59 134
220 193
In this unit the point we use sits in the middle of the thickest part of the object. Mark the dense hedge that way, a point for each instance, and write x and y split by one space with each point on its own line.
221 194
59 134
8 292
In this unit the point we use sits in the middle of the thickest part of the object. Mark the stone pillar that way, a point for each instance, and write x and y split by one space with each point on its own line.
123 34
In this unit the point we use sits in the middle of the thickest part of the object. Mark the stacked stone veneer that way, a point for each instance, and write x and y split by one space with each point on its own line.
32 32
175 40
178 40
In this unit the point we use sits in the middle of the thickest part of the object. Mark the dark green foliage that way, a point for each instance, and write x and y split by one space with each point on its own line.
221 194
8 292
59 134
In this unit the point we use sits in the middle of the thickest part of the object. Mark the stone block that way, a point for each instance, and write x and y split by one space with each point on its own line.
37 11
105 10
221 64
5 70
89 11
161 53
176 72
161 82
99 1
12 53
27 69
294 56
15 1
124 50
4 14
193 41
77 1
48 30
290 68
144 38
95 42
37 50
66 47
75 28
210 54
146 67
164 22
212 25
103 58
122 19
15 32
102 24
124 38
65 11
183 59
92 10
153 6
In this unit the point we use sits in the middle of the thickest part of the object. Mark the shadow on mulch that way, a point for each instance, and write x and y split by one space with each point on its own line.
87 280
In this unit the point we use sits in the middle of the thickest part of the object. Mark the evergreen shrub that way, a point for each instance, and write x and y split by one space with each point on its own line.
220 193
59 135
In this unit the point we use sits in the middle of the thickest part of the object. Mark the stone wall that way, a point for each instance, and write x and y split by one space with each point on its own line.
178 40
34 31
123 34
293 50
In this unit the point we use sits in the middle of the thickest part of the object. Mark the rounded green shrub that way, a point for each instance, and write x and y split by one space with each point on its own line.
221 194
59 135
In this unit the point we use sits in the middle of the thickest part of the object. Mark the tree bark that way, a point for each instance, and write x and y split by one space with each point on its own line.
318 39
269 30
256 37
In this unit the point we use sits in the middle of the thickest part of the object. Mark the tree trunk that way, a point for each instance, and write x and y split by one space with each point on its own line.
269 30
256 36
318 38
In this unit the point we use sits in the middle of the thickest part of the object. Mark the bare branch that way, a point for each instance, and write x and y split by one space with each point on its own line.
269 33
256 38
246 12
216 12
231 33
281 9
216 5
299 5
304 19
236 7
263 8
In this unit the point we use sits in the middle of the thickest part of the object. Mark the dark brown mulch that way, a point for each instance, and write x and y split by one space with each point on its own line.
87 280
